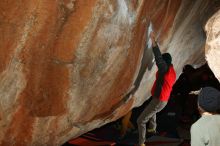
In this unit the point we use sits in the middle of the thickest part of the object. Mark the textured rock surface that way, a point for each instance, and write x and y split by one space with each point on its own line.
213 44
67 66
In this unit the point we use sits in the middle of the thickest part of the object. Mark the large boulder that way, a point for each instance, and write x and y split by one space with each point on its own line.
213 44
69 66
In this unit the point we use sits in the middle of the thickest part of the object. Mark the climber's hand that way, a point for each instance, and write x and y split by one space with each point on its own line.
152 37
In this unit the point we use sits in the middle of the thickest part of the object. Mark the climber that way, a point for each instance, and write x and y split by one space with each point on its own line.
206 131
165 78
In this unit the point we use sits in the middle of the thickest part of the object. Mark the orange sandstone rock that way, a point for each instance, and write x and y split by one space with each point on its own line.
68 66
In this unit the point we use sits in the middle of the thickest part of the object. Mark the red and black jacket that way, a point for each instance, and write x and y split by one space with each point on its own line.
165 77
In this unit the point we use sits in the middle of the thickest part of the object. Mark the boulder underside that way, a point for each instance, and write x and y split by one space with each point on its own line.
70 66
